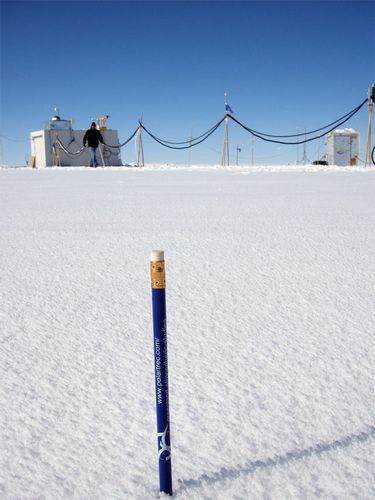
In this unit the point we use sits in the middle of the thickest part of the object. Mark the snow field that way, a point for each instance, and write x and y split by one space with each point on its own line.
270 310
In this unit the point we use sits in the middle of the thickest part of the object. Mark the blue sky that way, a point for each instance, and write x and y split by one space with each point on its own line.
286 66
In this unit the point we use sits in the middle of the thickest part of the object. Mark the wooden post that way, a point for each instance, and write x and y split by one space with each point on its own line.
368 145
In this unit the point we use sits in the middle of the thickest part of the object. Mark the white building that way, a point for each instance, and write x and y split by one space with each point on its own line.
342 147
58 144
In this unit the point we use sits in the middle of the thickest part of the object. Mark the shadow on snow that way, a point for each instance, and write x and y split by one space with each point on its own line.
230 473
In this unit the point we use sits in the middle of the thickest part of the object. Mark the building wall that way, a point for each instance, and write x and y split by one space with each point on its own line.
42 148
342 148
38 150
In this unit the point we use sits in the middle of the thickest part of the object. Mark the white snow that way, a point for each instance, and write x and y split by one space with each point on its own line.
345 131
271 330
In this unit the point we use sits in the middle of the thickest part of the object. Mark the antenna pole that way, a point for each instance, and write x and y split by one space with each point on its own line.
225 153
304 159
140 154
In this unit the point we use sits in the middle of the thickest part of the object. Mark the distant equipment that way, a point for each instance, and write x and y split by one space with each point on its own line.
342 147
320 162
59 145
56 123
102 122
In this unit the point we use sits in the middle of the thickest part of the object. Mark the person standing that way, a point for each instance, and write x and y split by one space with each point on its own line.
91 140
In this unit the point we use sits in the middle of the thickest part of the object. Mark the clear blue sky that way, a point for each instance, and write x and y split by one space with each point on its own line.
285 65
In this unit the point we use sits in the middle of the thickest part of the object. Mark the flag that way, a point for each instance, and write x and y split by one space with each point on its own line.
228 108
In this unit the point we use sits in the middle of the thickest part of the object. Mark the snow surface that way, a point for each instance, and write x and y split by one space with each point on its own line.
271 328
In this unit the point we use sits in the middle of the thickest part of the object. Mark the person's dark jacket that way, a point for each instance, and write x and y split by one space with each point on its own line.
92 137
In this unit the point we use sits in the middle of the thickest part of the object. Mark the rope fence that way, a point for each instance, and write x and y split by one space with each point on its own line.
195 141
336 123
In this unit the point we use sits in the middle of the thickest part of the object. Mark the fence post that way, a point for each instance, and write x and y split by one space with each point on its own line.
161 370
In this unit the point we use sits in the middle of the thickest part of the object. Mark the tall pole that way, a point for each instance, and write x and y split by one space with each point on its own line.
225 153
368 145
161 370
304 159
297 162
140 155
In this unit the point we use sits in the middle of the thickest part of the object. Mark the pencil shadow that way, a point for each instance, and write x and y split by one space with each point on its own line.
230 473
